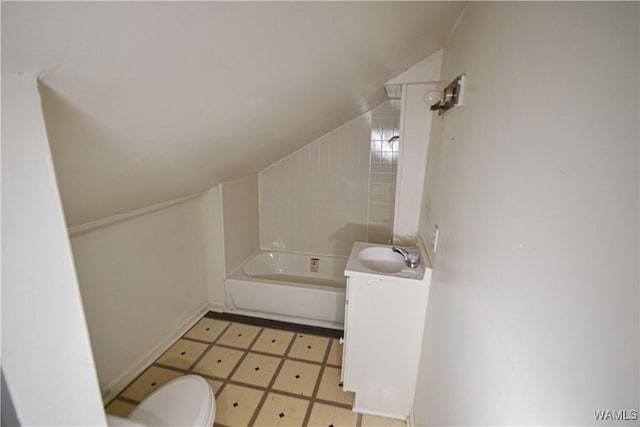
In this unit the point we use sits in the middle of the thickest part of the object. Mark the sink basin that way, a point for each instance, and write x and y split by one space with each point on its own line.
377 262
381 259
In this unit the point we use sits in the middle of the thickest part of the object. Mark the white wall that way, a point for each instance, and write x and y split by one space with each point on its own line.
533 313
241 220
415 128
145 70
213 239
425 71
316 200
143 283
46 354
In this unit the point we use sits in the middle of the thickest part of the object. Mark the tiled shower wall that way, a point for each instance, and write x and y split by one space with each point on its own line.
334 191
385 123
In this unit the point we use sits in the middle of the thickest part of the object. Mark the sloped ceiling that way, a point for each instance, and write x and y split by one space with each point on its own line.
145 102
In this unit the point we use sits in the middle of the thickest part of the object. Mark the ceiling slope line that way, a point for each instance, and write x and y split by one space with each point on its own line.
103 222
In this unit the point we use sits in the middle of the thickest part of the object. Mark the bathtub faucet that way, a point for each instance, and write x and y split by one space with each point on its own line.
412 260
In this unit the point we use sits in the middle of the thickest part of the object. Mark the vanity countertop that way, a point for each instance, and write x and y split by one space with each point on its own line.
377 261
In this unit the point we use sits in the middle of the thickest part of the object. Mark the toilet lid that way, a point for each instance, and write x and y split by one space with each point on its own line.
185 401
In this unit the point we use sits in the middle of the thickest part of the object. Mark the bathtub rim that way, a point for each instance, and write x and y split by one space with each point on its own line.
237 277
238 268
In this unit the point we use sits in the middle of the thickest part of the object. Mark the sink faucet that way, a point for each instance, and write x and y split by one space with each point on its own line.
412 260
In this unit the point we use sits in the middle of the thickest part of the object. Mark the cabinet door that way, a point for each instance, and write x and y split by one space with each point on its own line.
385 324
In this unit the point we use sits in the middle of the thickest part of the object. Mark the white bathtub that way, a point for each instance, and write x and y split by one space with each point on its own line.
285 286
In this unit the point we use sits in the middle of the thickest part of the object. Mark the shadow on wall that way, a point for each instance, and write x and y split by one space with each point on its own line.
343 238
74 136
100 171
379 233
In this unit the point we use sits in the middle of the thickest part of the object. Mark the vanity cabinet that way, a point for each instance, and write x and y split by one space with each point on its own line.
383 329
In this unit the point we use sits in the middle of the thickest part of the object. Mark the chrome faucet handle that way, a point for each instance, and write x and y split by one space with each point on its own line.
412 260
401 251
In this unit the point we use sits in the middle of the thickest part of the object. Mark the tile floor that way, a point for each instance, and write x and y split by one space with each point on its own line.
261 376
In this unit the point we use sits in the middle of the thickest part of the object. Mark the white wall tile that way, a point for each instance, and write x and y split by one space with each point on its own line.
317 199
384 160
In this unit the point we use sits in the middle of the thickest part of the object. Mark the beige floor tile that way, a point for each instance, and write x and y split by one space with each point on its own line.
236 405
280 411
297 377
273 341
119 408
218 362
309 347
335 354
182 354
207 329
239 335
215 385
149 381
331 387
374 421
326 415
257 369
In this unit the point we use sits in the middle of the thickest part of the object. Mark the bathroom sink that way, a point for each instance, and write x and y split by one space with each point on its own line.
380 262
381 259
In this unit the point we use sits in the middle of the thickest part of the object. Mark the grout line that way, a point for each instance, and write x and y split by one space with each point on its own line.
240 360
213 343
332 403
311 400
188 371
268 390
316 388
170 368
263 399
126 400
224 381
119 396
195 340
206 350
237 366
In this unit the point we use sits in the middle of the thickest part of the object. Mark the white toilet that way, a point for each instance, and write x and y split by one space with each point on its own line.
185 401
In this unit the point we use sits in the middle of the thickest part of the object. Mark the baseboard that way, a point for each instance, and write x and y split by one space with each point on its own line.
218 308
233 316
111 390
286 319
360 410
